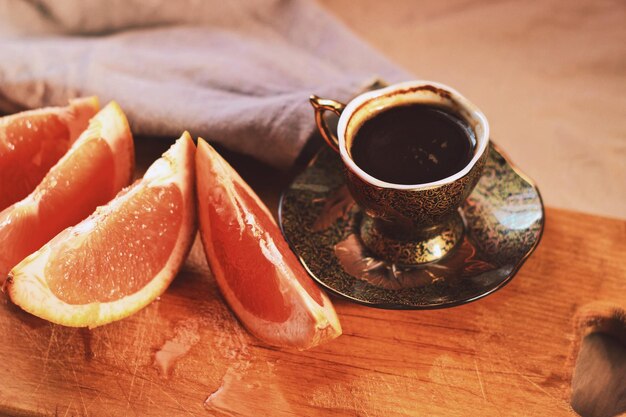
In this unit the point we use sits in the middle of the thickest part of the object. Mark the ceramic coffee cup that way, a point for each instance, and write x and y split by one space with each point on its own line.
415 223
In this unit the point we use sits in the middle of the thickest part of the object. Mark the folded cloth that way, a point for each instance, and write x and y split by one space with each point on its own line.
235 72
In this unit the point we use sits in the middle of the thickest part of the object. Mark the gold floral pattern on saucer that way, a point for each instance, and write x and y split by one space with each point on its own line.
503 219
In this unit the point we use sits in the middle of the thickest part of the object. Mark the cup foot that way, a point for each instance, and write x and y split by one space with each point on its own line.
427 246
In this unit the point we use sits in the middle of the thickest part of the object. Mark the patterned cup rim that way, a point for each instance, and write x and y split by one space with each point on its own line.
469 111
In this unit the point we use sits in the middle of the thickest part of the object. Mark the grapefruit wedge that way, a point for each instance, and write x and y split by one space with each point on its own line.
120 258
31 142
97 166
259 276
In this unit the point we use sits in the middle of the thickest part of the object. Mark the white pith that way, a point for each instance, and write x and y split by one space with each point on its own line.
64 112
309 323
28 288
119 139
111 124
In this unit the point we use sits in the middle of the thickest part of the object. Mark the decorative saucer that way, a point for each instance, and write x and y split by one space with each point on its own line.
503 219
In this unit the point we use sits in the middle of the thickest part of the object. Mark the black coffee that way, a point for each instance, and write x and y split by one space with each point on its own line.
413 144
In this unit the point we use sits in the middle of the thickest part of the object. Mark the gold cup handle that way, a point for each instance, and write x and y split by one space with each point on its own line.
321 105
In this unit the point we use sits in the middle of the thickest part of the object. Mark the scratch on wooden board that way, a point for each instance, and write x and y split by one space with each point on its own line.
143 382
68 408
46 359
362 407
140 336
450 374
92 402
361 396
480 381
41 381
110 347
121 364
80 392
150 391
132 381
33 340
175 400
47 354
123 393
39 384
540 388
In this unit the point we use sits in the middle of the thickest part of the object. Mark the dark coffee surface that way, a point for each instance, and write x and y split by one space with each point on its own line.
413 144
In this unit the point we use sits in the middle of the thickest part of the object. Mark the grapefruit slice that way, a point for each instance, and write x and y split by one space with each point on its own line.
31 142
120 258
97 166
259 276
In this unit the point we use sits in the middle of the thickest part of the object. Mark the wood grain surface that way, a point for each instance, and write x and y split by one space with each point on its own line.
509 354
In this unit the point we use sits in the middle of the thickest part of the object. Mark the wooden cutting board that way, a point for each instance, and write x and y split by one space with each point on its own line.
509 354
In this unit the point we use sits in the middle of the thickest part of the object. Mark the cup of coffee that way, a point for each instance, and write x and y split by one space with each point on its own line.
412 154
